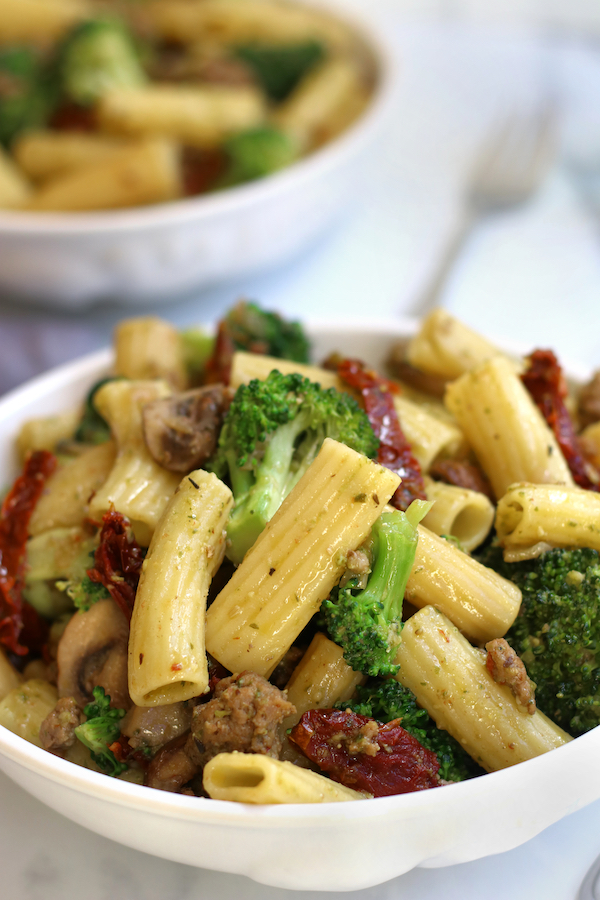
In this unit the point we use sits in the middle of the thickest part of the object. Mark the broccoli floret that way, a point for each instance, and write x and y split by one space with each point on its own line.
367 622
28 92
98 56
83 594
93 428
280 68
197 346
257 330
389 700
557 631
100 731
271 434
255 153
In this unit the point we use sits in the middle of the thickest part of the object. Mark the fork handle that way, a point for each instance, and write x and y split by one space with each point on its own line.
434 289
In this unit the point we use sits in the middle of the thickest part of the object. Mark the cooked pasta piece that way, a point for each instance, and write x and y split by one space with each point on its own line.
9 677
145 172
39 21
167 657
15 190
136 485
67 493
246 366
46 433
232 22
149 347
557 515
45 153
297 559
429 436
197 115
24 708
505 428
322 677
444 346
306 113
458 512
255 778
478 600
450 680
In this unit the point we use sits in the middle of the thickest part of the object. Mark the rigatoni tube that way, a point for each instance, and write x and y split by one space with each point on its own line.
554 514
167 658
136 486
450 680
297 559
505 428
149 347
197 115
254 778
446 347
458 512
478 600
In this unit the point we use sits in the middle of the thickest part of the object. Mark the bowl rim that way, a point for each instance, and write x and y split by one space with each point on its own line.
241 197
67 774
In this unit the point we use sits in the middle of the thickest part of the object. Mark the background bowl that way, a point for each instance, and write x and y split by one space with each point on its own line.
336 847
163 251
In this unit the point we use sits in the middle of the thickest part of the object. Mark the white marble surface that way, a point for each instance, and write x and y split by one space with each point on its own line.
532 274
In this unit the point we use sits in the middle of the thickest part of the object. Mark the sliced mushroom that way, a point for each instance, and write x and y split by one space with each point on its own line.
93 651
172 766
153 726
181 431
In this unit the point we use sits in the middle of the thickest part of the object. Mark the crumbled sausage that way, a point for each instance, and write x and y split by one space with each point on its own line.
415 378
362 741
243 715
506 667
57 731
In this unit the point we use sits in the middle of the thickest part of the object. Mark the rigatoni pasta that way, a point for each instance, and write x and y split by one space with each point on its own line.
505 428
481 603
556 515
167 655
297 559
449 678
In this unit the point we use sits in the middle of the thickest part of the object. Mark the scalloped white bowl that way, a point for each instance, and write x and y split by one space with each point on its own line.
162 252
329 847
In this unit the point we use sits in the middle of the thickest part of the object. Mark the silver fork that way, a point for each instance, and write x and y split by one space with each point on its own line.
587 891
508 171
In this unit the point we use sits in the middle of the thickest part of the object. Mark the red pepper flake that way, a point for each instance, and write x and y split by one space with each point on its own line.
400 765
176 667
21 628
118 561
546 384
394 452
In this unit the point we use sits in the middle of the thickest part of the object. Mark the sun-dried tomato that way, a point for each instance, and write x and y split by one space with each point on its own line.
399 764
218 367
395 452
118 561
21 628
546 384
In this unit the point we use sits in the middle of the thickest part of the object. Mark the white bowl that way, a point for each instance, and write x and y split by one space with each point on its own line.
337 847
160 252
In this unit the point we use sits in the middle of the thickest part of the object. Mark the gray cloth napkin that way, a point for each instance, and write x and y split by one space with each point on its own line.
31 346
